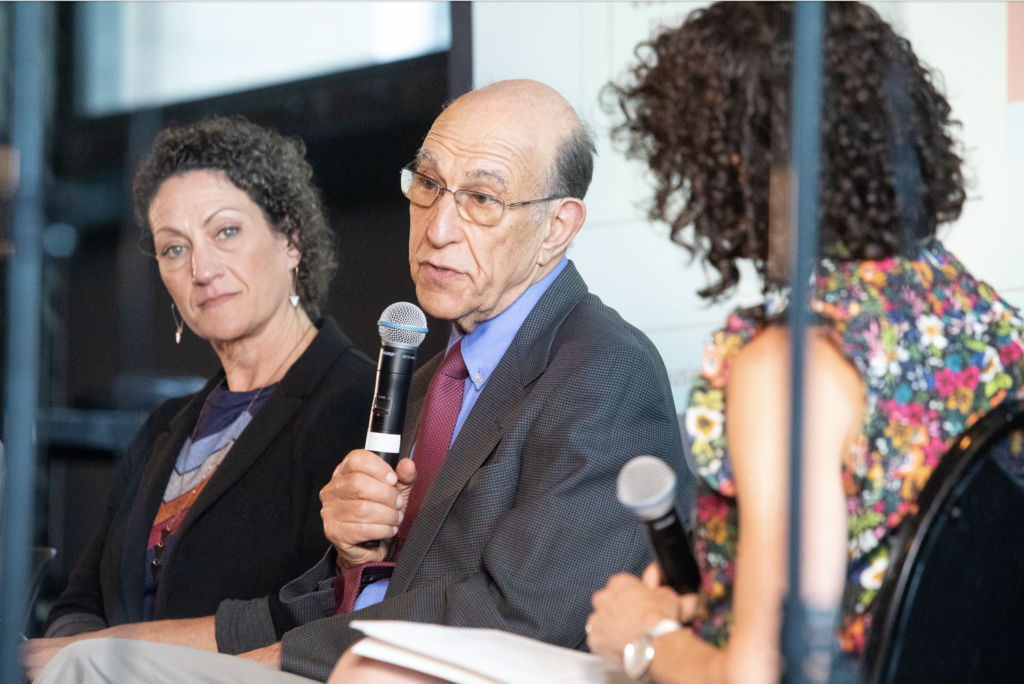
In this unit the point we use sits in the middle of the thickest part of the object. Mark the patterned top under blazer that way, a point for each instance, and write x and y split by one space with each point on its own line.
521 525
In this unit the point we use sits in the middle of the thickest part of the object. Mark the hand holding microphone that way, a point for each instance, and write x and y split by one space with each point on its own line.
628 607
365 500
367 495
647 487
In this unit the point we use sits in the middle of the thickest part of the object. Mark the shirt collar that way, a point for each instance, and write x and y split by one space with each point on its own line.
483 348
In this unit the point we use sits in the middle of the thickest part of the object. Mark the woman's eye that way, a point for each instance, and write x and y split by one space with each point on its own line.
173 251
228 232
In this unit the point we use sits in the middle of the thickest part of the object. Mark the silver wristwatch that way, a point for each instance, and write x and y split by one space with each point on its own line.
638 654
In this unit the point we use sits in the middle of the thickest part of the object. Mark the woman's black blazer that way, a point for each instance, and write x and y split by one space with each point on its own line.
255 526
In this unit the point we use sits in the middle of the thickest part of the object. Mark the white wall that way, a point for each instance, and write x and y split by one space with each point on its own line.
578 47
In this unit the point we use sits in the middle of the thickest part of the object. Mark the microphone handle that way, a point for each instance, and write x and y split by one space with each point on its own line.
389 458
395 367
675 557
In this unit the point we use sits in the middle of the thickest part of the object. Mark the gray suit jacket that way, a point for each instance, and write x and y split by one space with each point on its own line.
521 525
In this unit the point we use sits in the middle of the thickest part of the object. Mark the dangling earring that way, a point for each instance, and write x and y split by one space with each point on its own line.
180 325
294 299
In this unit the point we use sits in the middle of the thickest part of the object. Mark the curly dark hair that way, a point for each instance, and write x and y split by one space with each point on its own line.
708 108
269 167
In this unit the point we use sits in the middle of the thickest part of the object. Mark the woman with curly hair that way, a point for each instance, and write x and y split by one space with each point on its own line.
218 495
908 349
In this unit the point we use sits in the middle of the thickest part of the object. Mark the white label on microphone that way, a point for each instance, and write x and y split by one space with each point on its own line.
388 444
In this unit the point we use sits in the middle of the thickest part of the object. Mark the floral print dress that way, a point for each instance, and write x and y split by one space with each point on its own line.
935 348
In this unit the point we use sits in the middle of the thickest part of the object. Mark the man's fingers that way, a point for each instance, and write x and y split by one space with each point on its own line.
369 463
360 486
357 555
372 532
360 511
347 538
406 471
364 501
353 522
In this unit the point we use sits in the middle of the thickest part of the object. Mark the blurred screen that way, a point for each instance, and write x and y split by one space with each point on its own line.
132 55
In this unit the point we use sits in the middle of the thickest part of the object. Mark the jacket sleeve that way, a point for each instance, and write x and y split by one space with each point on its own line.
243 626
80 607
564 533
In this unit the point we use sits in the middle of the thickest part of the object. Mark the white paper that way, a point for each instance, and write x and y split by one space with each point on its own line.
479 656
403 657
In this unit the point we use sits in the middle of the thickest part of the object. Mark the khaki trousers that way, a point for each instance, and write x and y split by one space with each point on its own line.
124 661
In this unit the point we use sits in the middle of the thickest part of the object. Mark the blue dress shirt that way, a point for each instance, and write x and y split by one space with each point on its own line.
483 348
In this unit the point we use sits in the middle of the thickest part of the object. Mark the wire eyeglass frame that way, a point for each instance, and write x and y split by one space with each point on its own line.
460 196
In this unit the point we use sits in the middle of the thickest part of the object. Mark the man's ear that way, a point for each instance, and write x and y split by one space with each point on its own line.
565 222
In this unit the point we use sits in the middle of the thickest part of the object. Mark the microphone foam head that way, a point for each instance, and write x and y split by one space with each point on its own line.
402 324
647 486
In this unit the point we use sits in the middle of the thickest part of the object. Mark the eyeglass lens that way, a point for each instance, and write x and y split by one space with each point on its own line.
473 206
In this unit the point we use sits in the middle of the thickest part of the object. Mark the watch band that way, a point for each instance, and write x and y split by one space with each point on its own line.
663 628
639 653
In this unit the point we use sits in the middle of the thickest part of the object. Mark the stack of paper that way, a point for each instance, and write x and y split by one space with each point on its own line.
479 656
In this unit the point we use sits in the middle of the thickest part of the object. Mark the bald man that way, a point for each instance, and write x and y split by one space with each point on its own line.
505 517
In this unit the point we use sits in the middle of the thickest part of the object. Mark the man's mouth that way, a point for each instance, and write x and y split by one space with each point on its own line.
438 271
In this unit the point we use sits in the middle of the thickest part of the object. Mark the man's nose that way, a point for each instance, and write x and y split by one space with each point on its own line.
445 221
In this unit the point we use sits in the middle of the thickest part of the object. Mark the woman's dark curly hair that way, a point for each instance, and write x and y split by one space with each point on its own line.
708 108
269 167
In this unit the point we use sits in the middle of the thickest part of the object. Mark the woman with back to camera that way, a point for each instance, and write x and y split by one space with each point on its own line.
218 495
908 349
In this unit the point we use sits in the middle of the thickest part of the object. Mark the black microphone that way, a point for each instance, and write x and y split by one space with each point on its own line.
647 487
402 327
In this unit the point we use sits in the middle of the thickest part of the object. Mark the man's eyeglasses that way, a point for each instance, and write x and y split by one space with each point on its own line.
485 210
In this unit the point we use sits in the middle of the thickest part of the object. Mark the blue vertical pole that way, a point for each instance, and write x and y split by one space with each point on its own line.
808 20
21 379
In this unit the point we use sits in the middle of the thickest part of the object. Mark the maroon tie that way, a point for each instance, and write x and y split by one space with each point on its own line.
437 422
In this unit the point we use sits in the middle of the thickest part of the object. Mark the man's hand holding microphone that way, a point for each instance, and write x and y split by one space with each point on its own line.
365 501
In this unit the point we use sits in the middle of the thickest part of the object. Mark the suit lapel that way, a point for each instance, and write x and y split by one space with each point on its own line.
495 410
498 404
